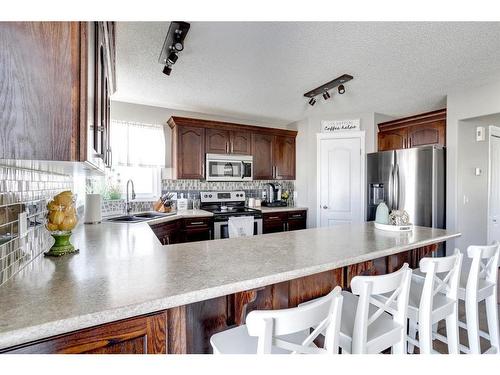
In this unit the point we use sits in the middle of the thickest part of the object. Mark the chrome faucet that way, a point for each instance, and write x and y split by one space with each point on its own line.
129 209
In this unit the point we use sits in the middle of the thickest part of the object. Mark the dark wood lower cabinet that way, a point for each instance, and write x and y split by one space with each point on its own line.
184 230
140 335
284 221
188 328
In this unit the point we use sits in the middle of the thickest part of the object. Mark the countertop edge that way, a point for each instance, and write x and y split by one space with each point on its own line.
46 330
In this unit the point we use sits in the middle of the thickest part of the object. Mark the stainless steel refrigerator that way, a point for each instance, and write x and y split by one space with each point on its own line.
410 179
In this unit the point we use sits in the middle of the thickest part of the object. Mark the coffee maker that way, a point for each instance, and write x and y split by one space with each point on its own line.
273 196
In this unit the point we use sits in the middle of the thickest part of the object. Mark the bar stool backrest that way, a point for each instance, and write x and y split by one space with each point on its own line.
398 285
442 275
322 313
484 266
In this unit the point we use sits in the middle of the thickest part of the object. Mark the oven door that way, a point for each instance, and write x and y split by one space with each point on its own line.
221 229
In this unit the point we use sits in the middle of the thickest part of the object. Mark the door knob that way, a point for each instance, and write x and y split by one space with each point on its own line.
325 207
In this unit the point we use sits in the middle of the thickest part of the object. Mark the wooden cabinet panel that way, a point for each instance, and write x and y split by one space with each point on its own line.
168 233
197 229
284 221
141 335
296 220
284 157
217 141
241 142
57 108
263 167
392 140
190 156
428 134
419 130
40 91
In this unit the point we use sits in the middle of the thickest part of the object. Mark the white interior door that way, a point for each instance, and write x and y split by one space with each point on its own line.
494 186
340 181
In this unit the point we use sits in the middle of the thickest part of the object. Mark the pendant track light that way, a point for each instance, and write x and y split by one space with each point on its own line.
326 95
341 89
312 102
173 44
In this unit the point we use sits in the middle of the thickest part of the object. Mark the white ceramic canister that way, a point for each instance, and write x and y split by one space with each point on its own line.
251 202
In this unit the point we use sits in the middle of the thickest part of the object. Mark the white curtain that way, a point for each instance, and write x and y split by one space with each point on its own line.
137 145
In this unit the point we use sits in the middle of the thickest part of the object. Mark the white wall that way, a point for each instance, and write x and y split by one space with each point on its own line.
473 212
464 104
305 184
158 115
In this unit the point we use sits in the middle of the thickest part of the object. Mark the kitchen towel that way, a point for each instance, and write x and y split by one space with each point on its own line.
240 226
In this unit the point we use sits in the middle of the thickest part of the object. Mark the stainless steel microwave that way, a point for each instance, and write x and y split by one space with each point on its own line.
229 167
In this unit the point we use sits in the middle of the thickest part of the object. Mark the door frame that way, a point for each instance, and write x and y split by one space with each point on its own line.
492 131
358 134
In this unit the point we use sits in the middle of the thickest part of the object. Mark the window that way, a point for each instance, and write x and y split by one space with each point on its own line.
138 154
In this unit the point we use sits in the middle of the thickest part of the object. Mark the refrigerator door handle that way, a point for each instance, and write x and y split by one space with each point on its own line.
390 193
396 186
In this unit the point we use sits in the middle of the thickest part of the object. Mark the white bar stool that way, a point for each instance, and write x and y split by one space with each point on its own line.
285 331
432 299
477 283
370 326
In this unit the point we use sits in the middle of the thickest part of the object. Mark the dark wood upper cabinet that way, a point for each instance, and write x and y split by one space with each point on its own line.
284 157
392 139
241 142
427 134
217 141
273 150
263 166
419 130
57 78
189 157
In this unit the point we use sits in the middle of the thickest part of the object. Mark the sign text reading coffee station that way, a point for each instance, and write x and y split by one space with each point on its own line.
328 126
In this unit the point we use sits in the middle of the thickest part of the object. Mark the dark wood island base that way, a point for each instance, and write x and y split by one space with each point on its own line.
187 329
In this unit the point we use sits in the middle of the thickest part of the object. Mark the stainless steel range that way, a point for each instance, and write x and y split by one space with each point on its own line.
224 204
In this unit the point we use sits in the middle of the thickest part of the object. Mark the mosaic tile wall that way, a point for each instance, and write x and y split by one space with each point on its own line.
25 190
117 206
192 188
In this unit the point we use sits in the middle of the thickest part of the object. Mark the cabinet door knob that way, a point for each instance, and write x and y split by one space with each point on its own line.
325 207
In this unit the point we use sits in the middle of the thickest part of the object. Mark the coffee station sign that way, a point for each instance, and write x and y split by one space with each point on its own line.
328 126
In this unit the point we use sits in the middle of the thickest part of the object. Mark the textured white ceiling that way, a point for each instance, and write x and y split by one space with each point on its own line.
260 70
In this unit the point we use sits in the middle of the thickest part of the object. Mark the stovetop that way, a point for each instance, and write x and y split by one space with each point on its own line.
233 210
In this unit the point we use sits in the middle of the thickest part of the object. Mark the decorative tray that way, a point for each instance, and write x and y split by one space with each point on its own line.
394 228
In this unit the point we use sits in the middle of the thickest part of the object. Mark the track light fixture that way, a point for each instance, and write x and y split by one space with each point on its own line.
325 88
173 44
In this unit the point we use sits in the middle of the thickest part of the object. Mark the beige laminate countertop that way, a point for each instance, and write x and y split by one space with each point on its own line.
122 270
266 210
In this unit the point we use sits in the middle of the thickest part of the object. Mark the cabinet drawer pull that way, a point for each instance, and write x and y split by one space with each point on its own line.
297 215
273 217
197 223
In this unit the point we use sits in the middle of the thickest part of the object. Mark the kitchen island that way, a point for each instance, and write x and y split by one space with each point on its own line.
126 292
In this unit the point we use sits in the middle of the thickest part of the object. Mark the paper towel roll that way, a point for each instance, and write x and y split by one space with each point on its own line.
93 214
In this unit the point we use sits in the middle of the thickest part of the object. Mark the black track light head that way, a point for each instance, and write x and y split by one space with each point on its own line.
167 70
178 46
312 101
341 89
172 58
326 95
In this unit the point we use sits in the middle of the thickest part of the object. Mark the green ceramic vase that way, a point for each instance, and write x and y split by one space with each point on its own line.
62 245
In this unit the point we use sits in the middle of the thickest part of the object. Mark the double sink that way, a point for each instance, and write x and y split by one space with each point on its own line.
135 218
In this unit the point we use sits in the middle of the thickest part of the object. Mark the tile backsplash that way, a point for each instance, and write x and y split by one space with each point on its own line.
192 188
25 190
